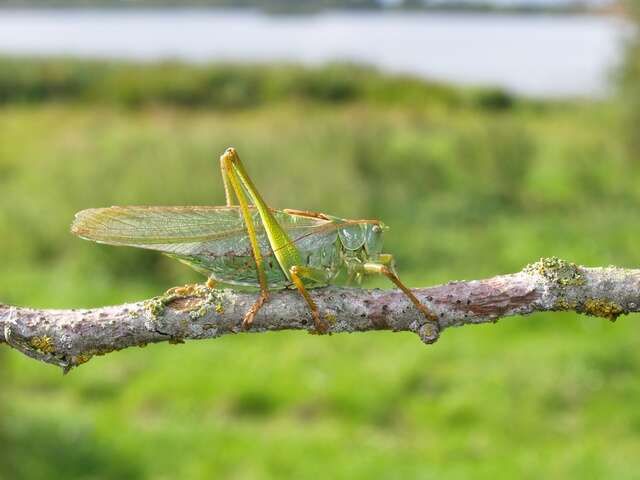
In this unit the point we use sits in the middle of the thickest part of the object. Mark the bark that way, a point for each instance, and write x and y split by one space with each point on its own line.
68 338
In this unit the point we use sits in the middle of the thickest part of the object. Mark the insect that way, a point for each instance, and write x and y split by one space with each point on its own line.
251 246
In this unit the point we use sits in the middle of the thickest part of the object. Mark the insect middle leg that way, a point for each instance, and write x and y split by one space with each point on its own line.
386 269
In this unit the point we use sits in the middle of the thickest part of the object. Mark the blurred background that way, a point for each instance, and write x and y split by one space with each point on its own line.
486 134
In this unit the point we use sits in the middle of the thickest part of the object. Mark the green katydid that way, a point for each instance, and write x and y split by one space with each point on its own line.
247 246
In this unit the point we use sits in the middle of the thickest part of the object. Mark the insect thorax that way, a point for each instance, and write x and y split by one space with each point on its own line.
356 244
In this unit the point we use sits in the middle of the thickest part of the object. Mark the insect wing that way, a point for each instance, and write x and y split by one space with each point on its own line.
307 233
197 230
177 230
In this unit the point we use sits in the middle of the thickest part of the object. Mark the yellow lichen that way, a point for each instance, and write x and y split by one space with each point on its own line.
602 308
80 359
564 304
43 344
330 318
190 290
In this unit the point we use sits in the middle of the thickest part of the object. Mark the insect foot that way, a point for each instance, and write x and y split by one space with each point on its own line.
247 321
321 325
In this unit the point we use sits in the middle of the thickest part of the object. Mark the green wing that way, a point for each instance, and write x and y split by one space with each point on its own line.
194 231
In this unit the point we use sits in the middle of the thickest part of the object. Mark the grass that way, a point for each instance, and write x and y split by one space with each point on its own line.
468 192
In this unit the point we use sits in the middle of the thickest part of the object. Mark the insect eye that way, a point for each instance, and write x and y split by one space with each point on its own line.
377 228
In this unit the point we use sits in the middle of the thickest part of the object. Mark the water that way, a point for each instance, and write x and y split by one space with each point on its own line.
548 56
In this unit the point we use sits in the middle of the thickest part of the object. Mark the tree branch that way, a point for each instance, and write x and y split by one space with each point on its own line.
68 338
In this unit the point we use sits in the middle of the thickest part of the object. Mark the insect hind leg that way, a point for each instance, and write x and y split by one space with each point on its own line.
297 272
232 180
225 182
251 313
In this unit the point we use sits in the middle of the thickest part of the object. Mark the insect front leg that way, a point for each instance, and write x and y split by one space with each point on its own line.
297 273
385 267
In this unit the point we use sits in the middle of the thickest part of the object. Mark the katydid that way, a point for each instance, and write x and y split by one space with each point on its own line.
251 246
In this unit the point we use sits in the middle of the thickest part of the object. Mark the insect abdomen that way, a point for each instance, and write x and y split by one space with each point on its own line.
237 269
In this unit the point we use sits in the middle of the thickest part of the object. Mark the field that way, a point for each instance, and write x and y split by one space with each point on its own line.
473 183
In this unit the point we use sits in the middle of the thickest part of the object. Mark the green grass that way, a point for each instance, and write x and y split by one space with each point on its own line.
468 192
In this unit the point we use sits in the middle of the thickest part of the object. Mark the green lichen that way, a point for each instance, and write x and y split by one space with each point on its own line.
211 301
195 300
603 308
43 344
155 306
558 271
199 313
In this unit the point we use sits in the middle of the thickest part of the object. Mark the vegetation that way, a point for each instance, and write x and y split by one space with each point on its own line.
629 91
223 86
469 187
